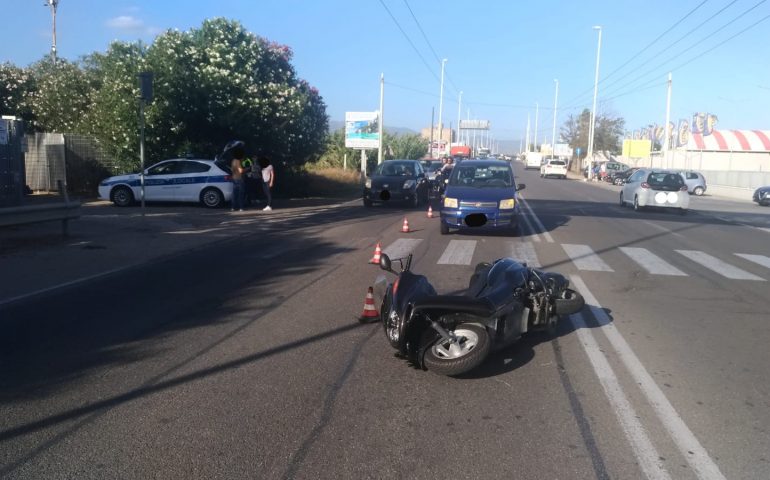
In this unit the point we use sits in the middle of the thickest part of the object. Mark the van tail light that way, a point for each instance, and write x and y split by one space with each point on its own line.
645 185
683 188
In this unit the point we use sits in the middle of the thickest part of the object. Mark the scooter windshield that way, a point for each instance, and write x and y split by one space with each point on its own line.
505 275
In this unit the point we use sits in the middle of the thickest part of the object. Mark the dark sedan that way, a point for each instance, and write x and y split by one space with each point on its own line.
397 181
762 196
481 194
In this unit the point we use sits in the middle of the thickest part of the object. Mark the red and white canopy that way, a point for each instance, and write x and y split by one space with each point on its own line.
731 141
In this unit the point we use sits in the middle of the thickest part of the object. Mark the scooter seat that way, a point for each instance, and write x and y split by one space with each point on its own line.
456 303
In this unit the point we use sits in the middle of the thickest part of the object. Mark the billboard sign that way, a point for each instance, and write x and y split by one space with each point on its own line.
362 130
474 124
636 148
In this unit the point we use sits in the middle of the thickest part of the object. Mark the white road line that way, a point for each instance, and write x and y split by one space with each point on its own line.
401 247
537 221
531 230
716 265
524 252
644 450
689 446
458 252
651 262
585 259
758 259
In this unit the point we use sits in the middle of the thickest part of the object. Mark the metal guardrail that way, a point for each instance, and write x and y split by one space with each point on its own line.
11 216
28 214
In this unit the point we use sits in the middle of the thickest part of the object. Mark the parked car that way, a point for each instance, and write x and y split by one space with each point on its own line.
553 167
655 188
397 181
762 196
481 194
608 170
621 177
695 181
174 180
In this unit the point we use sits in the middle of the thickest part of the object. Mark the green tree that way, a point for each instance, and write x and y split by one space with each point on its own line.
608 132
221 82
61 97
408 146
16 85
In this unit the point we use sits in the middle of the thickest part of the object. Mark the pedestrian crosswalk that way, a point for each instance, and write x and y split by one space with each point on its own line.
666 262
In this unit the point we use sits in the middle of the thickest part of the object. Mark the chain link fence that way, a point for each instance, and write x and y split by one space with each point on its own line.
78 161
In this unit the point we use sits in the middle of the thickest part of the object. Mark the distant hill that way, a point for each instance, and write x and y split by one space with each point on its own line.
335 125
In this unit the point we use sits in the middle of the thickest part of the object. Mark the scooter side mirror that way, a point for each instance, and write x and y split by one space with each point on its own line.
521 186
385 263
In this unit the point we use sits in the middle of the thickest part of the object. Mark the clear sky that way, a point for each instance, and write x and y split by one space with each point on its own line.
504 54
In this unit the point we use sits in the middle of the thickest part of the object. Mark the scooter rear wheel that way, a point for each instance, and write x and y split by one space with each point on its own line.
448 358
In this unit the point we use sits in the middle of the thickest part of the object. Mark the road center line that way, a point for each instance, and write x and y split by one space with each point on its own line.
644 450
537 221
689 446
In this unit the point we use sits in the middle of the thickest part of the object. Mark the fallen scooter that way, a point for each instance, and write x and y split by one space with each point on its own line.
453 334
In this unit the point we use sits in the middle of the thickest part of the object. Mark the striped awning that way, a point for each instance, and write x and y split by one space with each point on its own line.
731 141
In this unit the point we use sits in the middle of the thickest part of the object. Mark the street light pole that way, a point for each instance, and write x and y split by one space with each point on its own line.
441 104
53 4
590 153
555 104
382 121
667 135
537 113
459 116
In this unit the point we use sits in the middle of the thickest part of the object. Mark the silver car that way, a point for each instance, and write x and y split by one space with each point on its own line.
655 188
695 181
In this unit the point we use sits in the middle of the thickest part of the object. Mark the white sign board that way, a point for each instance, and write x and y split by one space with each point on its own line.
362 130
3 132
474 124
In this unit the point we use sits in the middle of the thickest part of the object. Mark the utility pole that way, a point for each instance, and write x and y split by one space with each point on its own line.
432 114
667 135
459 113
53 4
527 146
555 105
382 120
590 153
441 103
537 112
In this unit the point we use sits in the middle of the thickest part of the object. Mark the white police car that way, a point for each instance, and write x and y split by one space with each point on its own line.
175 180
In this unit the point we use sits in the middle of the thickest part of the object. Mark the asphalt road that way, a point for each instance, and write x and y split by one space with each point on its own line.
244 359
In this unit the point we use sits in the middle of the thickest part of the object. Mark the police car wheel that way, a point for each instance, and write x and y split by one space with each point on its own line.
212 198
122 196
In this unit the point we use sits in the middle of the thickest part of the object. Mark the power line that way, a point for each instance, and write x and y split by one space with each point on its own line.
410 41
425 37
653 42
689 47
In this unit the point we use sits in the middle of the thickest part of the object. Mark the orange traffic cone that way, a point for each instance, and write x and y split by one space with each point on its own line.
405 226
430 211
370 313
377 254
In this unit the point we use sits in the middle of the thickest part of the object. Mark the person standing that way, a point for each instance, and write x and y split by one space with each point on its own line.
237 170
252 180
268 180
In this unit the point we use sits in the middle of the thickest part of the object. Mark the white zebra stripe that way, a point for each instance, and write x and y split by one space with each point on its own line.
651 262
524 252
458 252
716 265
401 247
758 259
585 259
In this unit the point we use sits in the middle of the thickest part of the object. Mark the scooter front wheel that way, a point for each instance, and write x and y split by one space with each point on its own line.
445 357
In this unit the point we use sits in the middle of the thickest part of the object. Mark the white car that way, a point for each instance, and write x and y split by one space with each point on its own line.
175 180
553 167
655 188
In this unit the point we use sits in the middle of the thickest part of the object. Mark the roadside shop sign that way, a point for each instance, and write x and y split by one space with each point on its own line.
362 130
